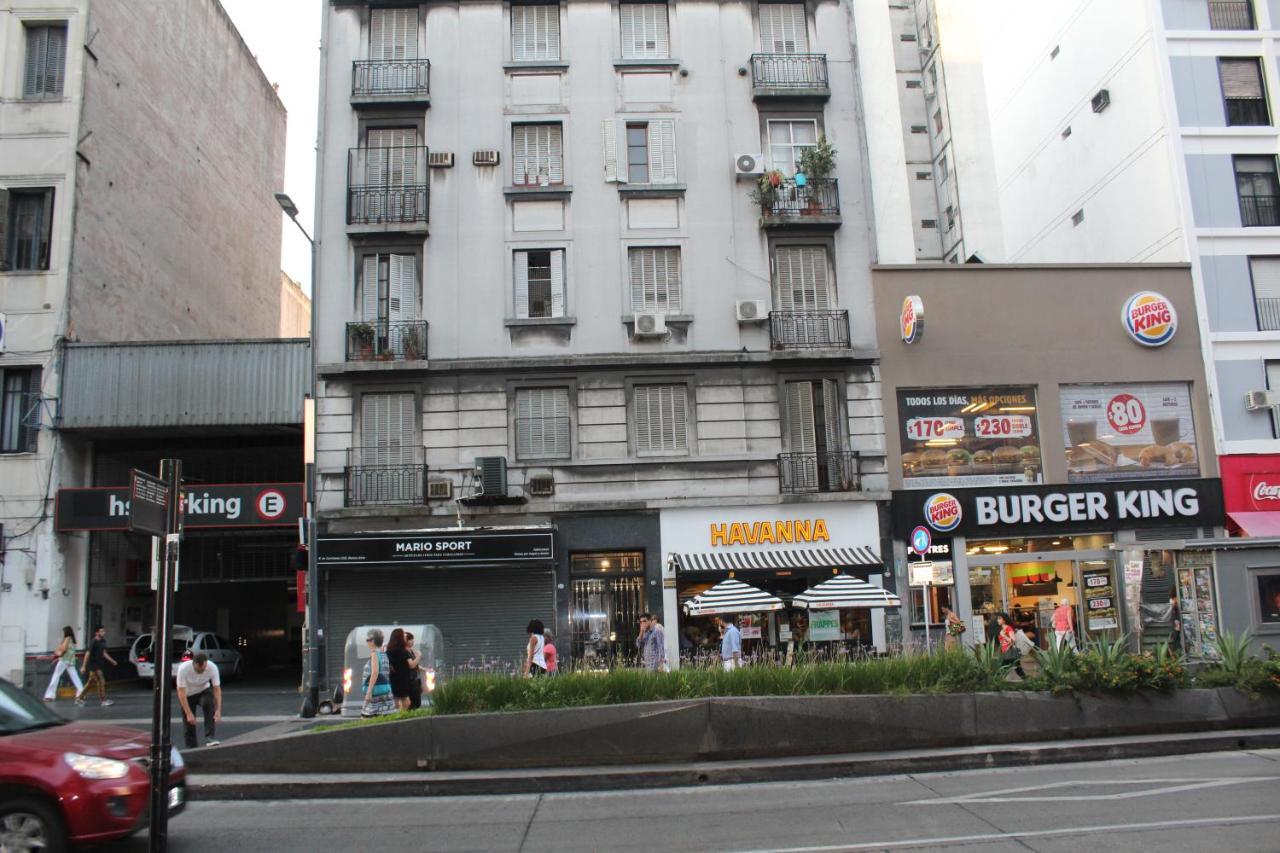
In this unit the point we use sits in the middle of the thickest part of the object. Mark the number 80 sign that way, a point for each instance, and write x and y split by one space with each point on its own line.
1126 414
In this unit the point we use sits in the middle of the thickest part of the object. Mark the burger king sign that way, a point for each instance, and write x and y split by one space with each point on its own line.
942 512
911 321
1150 318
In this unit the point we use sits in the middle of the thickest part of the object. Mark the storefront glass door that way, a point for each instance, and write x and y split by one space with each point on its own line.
605 603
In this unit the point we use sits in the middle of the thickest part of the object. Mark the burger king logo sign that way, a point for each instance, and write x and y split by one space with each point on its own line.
911 322
942 512
1149 319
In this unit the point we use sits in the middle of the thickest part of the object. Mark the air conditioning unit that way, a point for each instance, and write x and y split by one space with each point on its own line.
1256 401
752 310
1100 101
438 490
484 158
748 165
440 159
491 476
541 485
651 325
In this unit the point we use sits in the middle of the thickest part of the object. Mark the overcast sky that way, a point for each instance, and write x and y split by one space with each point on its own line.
285 36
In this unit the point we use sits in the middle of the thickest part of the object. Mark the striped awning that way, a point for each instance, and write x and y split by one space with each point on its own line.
809 558
732 596
843 591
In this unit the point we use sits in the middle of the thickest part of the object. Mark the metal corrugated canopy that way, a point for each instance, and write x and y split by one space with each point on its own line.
185 384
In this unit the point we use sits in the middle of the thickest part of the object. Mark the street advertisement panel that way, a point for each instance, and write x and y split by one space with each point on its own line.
1129 432
1099 598
955 437
824 625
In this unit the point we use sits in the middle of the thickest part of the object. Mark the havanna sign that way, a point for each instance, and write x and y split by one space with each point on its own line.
777 532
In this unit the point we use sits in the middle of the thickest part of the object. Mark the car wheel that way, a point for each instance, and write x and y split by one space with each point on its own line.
31 824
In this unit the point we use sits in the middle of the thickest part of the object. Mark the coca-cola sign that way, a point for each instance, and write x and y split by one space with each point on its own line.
1264 491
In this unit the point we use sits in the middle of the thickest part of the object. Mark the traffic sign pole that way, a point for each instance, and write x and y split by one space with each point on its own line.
161 748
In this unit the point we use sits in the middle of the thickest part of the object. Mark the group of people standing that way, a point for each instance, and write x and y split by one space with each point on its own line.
392 675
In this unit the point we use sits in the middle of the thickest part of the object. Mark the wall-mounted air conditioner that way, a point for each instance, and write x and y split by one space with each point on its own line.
440 159
491 476
1256 401
541 485
484 158
1100 101
752 310
438 490
651 325
748 165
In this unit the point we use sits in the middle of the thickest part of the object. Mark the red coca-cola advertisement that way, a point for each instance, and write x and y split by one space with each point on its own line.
1251 483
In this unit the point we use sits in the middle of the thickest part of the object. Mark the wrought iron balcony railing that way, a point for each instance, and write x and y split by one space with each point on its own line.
795 72
405 79
386 475
382 340
1258 210
809 330
1247 112
805 473
815 198
387 186
1230 15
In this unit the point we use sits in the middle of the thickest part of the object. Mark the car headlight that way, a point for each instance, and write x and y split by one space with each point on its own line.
175 758
95 766
346 682
431 680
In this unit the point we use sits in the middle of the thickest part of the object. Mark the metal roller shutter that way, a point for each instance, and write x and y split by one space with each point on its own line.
482 612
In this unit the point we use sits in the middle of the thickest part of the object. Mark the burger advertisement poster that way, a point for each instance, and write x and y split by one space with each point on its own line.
1129 432
954 437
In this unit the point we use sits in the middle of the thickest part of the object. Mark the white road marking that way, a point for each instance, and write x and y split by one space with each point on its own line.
1164 786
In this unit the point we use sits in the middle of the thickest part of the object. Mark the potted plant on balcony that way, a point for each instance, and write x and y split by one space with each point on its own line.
362 340
765 192
817 163
412 339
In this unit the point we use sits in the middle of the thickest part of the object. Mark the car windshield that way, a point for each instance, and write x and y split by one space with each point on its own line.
20 712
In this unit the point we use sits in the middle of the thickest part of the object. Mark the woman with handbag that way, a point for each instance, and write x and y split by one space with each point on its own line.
1009 651
378 699
64 661
955 627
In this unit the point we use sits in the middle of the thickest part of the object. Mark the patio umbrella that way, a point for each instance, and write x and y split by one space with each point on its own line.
731 596
844 591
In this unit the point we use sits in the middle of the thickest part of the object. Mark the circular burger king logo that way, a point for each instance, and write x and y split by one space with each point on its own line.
942 512
911 323
1149 319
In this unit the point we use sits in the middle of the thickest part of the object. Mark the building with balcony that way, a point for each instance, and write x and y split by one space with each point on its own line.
125 215
634 317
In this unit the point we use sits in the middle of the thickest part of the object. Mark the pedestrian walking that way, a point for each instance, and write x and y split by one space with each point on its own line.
1064 624
549 652
377 680
535 658
1009 652
64 661
955 627
415 672
200 686
95 663
399 672
1175 623
652 644
730 643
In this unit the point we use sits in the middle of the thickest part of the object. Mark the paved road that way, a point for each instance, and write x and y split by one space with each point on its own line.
1219 801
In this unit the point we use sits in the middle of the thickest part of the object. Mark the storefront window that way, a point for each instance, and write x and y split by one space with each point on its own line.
1269 597
955 437
1127 432
1040 544
605 603
939 597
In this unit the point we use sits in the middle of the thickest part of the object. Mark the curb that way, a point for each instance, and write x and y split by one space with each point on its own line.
251 786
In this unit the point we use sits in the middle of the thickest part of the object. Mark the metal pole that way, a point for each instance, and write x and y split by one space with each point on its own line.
161 764
311 696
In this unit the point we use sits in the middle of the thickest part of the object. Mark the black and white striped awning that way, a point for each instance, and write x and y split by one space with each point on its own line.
842 592
732 596
781 559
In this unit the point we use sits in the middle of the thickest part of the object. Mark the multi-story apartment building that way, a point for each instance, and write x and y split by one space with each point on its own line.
125 214
577 348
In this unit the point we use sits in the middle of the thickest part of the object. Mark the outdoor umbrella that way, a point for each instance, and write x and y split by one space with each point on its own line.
731 596
844 591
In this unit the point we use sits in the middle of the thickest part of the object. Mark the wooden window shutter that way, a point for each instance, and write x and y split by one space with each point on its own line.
1241 78
662 151
402 290
542 423
520 144
1266 277
554 153
801 431
833 416
55 68
557 283
551 23
4 229
636 264
644 30
679 417
661 418
785 278
374 415
521 41
520 269
369 289
609 145
37 50
655 279
44 66
30 410
782 28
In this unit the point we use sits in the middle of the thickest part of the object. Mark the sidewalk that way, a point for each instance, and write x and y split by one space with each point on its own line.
280 786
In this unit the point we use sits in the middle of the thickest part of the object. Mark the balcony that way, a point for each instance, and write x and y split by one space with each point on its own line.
807 473
386 341
789 75
387 189
814 205
386 476
1259 210
405 82
1230 15
1247 112
809 330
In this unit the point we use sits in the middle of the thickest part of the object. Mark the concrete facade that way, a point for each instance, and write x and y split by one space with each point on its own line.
295 309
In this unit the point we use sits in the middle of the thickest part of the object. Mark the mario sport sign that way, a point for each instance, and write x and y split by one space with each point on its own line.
911 322
1150 319
942 512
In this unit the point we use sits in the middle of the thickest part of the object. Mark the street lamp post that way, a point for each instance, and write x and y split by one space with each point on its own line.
311 675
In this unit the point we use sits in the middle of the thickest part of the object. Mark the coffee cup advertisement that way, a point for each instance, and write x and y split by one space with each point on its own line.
1127 432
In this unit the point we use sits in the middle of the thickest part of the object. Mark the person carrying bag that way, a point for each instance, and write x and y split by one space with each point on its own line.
378 699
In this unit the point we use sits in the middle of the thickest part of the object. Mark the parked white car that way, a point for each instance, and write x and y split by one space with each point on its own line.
186 644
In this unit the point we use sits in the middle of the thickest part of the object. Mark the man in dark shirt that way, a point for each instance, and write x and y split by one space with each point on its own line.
95 661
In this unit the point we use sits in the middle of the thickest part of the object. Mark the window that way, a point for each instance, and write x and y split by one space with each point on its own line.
539 283
542 423
45 69
782 28
388 425
923 176
1230 15
1077 217
1265 273
26 228
19 392
937 121
951 217
914 84
1242 92
1268 583
939 597
391 157
644 31
655 279
393 35
1257 186
928 223
639 152
389 288
537 154
814 424
802 279
1272 372
535 32
660 419
787 139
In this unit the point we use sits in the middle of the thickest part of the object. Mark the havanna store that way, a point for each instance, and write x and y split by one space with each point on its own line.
782 549
1050 425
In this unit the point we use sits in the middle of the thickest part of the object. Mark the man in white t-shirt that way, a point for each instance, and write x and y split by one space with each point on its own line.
199 687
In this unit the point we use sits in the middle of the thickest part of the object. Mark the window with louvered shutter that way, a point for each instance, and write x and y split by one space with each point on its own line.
662 151
660 419
542 423
44 69
782 28
644 31
535 32
389 288
19 388
1241 78
655 279
388 428
391 158
537 155
802 280
1265 272
801 429
393 35
369 290
539 283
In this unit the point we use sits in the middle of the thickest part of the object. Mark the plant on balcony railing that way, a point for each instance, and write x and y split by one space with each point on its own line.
765 192
382 340
818 161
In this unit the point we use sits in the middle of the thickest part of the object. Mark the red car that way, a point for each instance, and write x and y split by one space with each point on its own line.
64 783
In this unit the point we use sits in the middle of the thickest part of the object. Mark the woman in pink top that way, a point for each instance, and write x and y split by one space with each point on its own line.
1064 624
549 652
